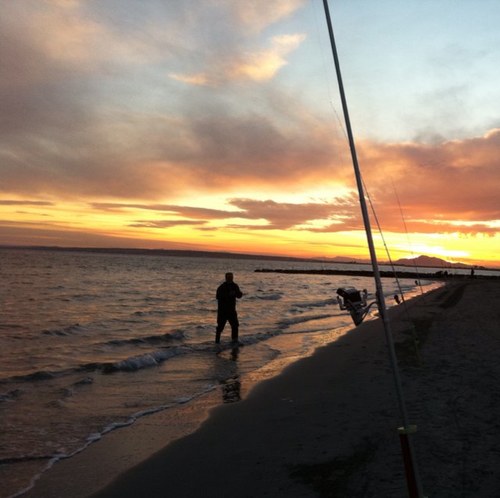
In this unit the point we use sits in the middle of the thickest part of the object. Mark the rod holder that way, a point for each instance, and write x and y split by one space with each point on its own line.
411 478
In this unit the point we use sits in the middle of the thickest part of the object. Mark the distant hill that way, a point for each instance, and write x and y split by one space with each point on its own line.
431 262
162 252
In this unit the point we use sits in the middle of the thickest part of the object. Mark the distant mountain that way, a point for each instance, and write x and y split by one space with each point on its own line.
163 252
431 262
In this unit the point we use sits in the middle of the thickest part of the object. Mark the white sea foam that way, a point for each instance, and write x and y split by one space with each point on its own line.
146 360
267 297
94 437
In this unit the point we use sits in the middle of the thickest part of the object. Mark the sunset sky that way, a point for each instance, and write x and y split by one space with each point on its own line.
217 125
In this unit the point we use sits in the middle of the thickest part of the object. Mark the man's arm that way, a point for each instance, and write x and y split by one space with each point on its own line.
218 294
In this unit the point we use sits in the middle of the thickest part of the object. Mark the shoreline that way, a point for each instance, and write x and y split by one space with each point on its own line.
328 419
121 449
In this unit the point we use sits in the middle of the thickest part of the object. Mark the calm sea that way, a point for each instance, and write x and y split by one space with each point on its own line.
92 342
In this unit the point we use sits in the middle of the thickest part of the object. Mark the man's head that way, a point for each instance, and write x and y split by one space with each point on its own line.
229 277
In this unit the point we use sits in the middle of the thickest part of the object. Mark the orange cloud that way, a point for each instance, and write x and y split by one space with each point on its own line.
260 65
259 14
438 185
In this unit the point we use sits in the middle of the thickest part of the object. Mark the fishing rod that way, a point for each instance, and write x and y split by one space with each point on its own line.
412 474
407 237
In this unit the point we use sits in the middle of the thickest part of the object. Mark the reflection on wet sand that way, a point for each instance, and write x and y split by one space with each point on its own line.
231 386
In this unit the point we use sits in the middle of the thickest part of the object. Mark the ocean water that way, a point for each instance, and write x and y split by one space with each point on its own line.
91 342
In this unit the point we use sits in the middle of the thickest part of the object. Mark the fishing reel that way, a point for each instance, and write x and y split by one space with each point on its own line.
355 302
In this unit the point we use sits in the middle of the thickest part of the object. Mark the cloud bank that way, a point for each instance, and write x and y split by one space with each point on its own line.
128 107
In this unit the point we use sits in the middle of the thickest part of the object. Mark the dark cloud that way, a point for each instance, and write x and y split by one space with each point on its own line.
164 223
7 202
284 216
52 235
187 211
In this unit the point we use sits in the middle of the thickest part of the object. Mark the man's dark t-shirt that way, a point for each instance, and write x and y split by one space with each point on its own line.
226 295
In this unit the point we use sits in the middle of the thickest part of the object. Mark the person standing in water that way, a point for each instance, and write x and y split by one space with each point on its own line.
226 295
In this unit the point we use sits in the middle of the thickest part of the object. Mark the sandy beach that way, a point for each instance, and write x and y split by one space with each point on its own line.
327 425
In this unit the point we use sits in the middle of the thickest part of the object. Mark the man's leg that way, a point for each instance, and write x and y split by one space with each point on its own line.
233 321
221 322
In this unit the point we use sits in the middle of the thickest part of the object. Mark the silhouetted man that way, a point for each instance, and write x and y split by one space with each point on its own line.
226 295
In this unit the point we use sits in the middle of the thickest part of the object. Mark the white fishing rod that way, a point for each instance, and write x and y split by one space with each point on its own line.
412 474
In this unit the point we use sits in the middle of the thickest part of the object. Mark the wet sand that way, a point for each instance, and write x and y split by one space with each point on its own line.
327 426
